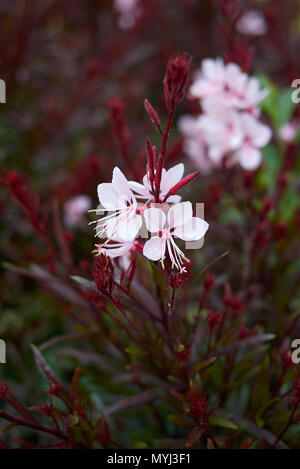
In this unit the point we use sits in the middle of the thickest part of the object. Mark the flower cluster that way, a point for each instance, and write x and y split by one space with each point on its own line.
229 126
128 206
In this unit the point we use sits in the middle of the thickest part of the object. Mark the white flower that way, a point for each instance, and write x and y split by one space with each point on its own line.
168 180
179 222
117 197
252 23
75 209
256 135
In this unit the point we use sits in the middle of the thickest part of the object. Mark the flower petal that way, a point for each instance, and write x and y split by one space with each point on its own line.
113 252
192 230
155 219
174 199
128 229
180 214
109 198
154 248
249 157
171 177
139 189
121 184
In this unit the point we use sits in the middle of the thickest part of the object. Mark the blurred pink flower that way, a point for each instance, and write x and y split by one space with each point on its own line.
252 23
289 131
223 132
75 209
256 136
194 144
228 126
129 11
226 85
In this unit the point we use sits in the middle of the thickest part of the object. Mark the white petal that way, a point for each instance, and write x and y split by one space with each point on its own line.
194 229
116 251
121 184
139 189
155 219
128 229
171 177
109 198
155 248
174 199
249 157
180 214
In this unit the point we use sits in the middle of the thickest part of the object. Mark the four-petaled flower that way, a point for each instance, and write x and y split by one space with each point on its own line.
179 223
117 197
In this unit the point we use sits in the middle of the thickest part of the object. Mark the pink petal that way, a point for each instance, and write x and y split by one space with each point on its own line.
121 184
155 219
194 229
249 157
171 177
180 214
128 229
155 248
109 197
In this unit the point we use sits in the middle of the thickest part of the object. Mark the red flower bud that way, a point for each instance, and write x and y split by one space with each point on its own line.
152 113
186 180
175 81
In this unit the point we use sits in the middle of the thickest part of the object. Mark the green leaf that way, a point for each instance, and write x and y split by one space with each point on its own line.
84 282
285 107
139 445
46 371
180 421
269 104
288 205
204 364
134 351
214 420
271 163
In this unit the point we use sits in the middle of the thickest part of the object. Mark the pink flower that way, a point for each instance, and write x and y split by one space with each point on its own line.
228 126
252 23
194 144
168 179
129 11
226 85
256 136
289 131
117 197
223 132
75 209
179 222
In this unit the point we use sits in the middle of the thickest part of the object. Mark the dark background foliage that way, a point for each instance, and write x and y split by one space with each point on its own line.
65 63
